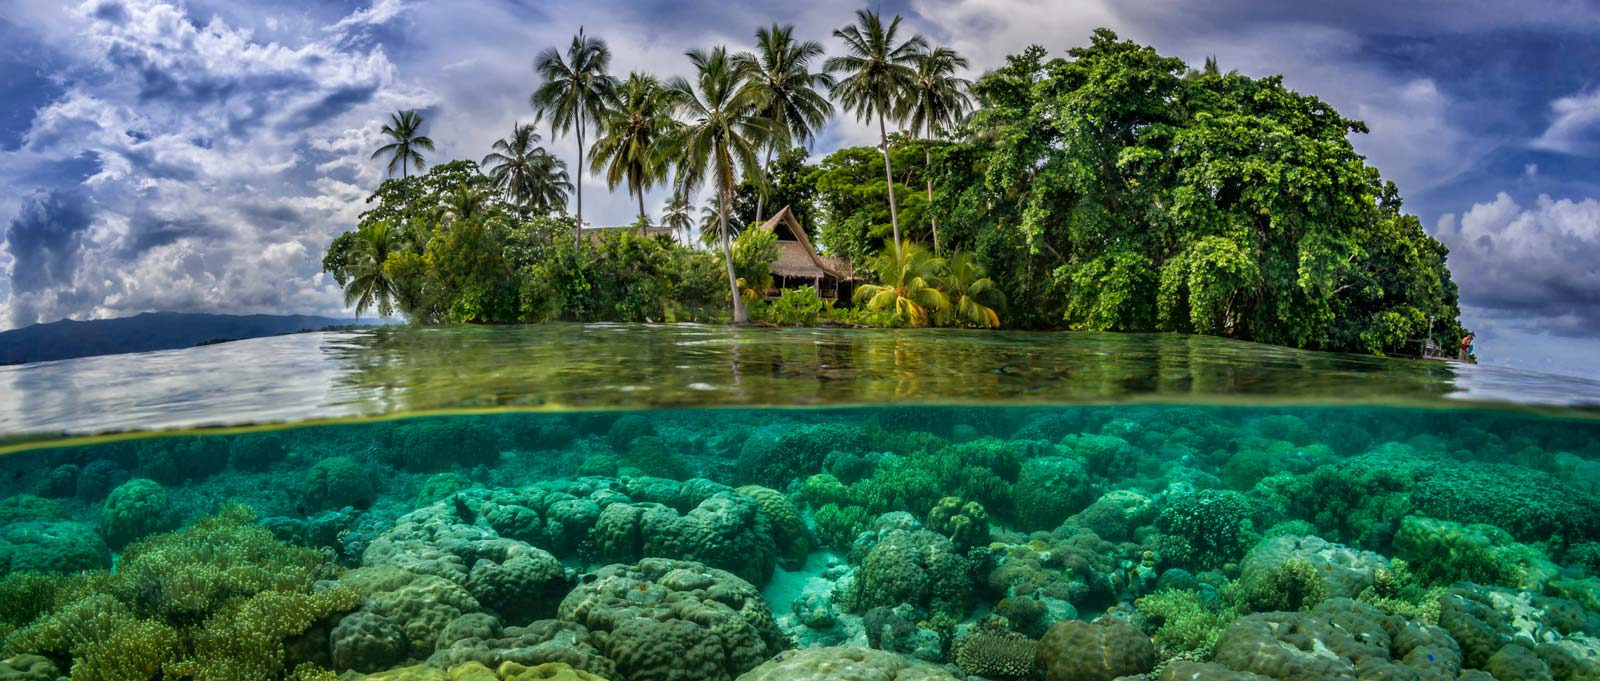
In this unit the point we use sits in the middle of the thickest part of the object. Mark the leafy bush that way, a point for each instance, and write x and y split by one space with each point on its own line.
796 307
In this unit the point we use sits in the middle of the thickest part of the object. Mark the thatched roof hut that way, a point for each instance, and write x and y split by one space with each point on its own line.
799 263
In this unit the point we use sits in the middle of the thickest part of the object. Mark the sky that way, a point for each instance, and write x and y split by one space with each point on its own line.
200 155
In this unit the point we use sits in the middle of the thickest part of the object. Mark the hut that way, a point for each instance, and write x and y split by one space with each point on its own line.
799 263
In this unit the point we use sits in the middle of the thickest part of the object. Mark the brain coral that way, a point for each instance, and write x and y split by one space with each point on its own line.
668 620
1336 641
422 605
912 566
539 643
1102 650
367 642
844 664
727 530
788 528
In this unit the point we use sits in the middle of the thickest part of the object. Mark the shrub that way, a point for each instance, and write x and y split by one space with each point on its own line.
796 307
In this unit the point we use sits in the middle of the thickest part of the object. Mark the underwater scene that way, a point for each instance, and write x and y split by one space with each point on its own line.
709 503
1067 543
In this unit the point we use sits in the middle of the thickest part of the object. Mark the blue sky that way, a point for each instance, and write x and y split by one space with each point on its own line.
198 156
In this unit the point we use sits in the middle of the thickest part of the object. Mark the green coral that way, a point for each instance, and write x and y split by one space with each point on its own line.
1293 584
995 653
1441 552
135 509
1107 456
256 451
648 456
1049 490
626 429
441 443
335 483
799 450
837 526
1181 623
27 508
214 602
966 524
440 486
1213 528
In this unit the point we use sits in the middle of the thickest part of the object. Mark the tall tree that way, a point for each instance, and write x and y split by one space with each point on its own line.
936 100
637 115
679 214
370 285
406 142
521 170
405 147
878 73
574 91
780 75
720 139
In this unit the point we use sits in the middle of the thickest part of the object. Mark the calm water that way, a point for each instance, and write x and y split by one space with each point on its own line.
552 500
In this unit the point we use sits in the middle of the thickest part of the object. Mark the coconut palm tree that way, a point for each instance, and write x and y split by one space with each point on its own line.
678 215
908 283
406 142
465 202
710 217
548 182
515 164
779 72
720 140
936 100
973 295
877 72
369 285
637 114
574 90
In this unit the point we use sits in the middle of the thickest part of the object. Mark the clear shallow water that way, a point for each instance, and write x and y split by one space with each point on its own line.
398 370
1214 503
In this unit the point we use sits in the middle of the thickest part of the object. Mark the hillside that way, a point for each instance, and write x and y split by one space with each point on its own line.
144 332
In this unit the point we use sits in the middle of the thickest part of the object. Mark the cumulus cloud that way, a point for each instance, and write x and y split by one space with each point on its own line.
216 156
1541 262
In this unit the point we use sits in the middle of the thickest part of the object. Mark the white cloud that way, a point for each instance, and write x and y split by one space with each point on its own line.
1540 261
1576 125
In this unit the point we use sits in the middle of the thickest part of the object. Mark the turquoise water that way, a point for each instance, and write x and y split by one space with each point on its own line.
504 503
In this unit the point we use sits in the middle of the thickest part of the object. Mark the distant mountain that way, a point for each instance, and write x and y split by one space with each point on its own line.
149 331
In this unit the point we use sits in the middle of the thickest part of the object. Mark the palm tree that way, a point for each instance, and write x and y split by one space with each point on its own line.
514 165
406 144
574 90
369 284
780 74
936 100
548 182
909 284
973 295
678 215
710 217
637 114
719 141
462 203
878 73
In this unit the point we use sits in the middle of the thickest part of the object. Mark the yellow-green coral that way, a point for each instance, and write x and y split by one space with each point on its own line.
1292 585
211 603
1183 624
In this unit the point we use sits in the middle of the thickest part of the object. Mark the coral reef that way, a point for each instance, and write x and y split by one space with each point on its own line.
135 509
668 620
1094 651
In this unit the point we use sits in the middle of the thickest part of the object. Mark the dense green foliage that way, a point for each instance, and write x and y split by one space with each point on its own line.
1109 189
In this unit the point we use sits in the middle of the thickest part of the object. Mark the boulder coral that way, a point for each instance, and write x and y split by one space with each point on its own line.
1102 650
135 509
668 620
334 483
844 664
903 563
1049 489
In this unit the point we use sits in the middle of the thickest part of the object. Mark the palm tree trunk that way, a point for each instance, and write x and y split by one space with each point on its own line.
766 178
739 314
927 165
894 214
580 174
642 222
